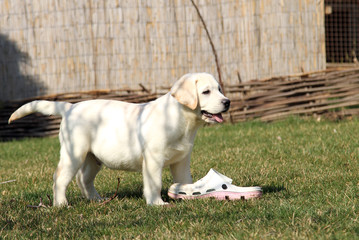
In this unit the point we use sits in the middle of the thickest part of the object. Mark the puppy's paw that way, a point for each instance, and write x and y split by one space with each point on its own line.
158 202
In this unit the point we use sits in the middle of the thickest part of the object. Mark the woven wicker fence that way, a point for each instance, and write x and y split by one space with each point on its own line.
332 92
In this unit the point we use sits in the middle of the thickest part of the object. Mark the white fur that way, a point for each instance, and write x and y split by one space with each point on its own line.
135 137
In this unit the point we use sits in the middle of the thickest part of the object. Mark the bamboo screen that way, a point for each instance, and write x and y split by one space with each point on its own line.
52 46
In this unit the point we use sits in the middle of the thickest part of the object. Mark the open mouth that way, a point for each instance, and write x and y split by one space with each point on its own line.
212 117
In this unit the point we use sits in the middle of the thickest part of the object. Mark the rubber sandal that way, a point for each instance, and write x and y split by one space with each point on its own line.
213 185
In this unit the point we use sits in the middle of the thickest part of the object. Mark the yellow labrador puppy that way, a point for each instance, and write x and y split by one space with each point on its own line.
132 137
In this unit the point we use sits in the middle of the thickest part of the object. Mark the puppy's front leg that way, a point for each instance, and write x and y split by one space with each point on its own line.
152 180
181 170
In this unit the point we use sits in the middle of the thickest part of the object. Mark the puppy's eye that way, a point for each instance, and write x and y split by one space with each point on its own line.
206 92
220 89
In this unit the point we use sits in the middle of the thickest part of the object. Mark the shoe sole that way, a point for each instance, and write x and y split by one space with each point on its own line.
220 195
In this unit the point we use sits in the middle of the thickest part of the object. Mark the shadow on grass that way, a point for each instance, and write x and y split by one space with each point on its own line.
273 189
136 194
35 198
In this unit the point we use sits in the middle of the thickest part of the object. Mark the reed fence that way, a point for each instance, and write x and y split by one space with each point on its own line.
52 47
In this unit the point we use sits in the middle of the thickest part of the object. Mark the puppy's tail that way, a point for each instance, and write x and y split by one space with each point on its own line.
41 106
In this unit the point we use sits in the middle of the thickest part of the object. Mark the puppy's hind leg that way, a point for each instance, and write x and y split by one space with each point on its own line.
67 168
86 175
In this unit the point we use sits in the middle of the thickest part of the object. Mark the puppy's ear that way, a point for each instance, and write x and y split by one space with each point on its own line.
185 91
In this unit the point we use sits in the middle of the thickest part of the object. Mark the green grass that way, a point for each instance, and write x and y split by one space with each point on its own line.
309 172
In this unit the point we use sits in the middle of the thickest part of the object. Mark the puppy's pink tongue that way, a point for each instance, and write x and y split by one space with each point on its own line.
218 117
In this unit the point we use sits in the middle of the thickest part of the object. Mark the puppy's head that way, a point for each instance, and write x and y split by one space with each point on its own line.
201 91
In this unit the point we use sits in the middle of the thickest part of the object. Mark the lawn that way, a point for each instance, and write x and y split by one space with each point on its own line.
309 172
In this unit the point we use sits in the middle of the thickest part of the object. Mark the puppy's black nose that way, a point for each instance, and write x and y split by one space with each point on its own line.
226 103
